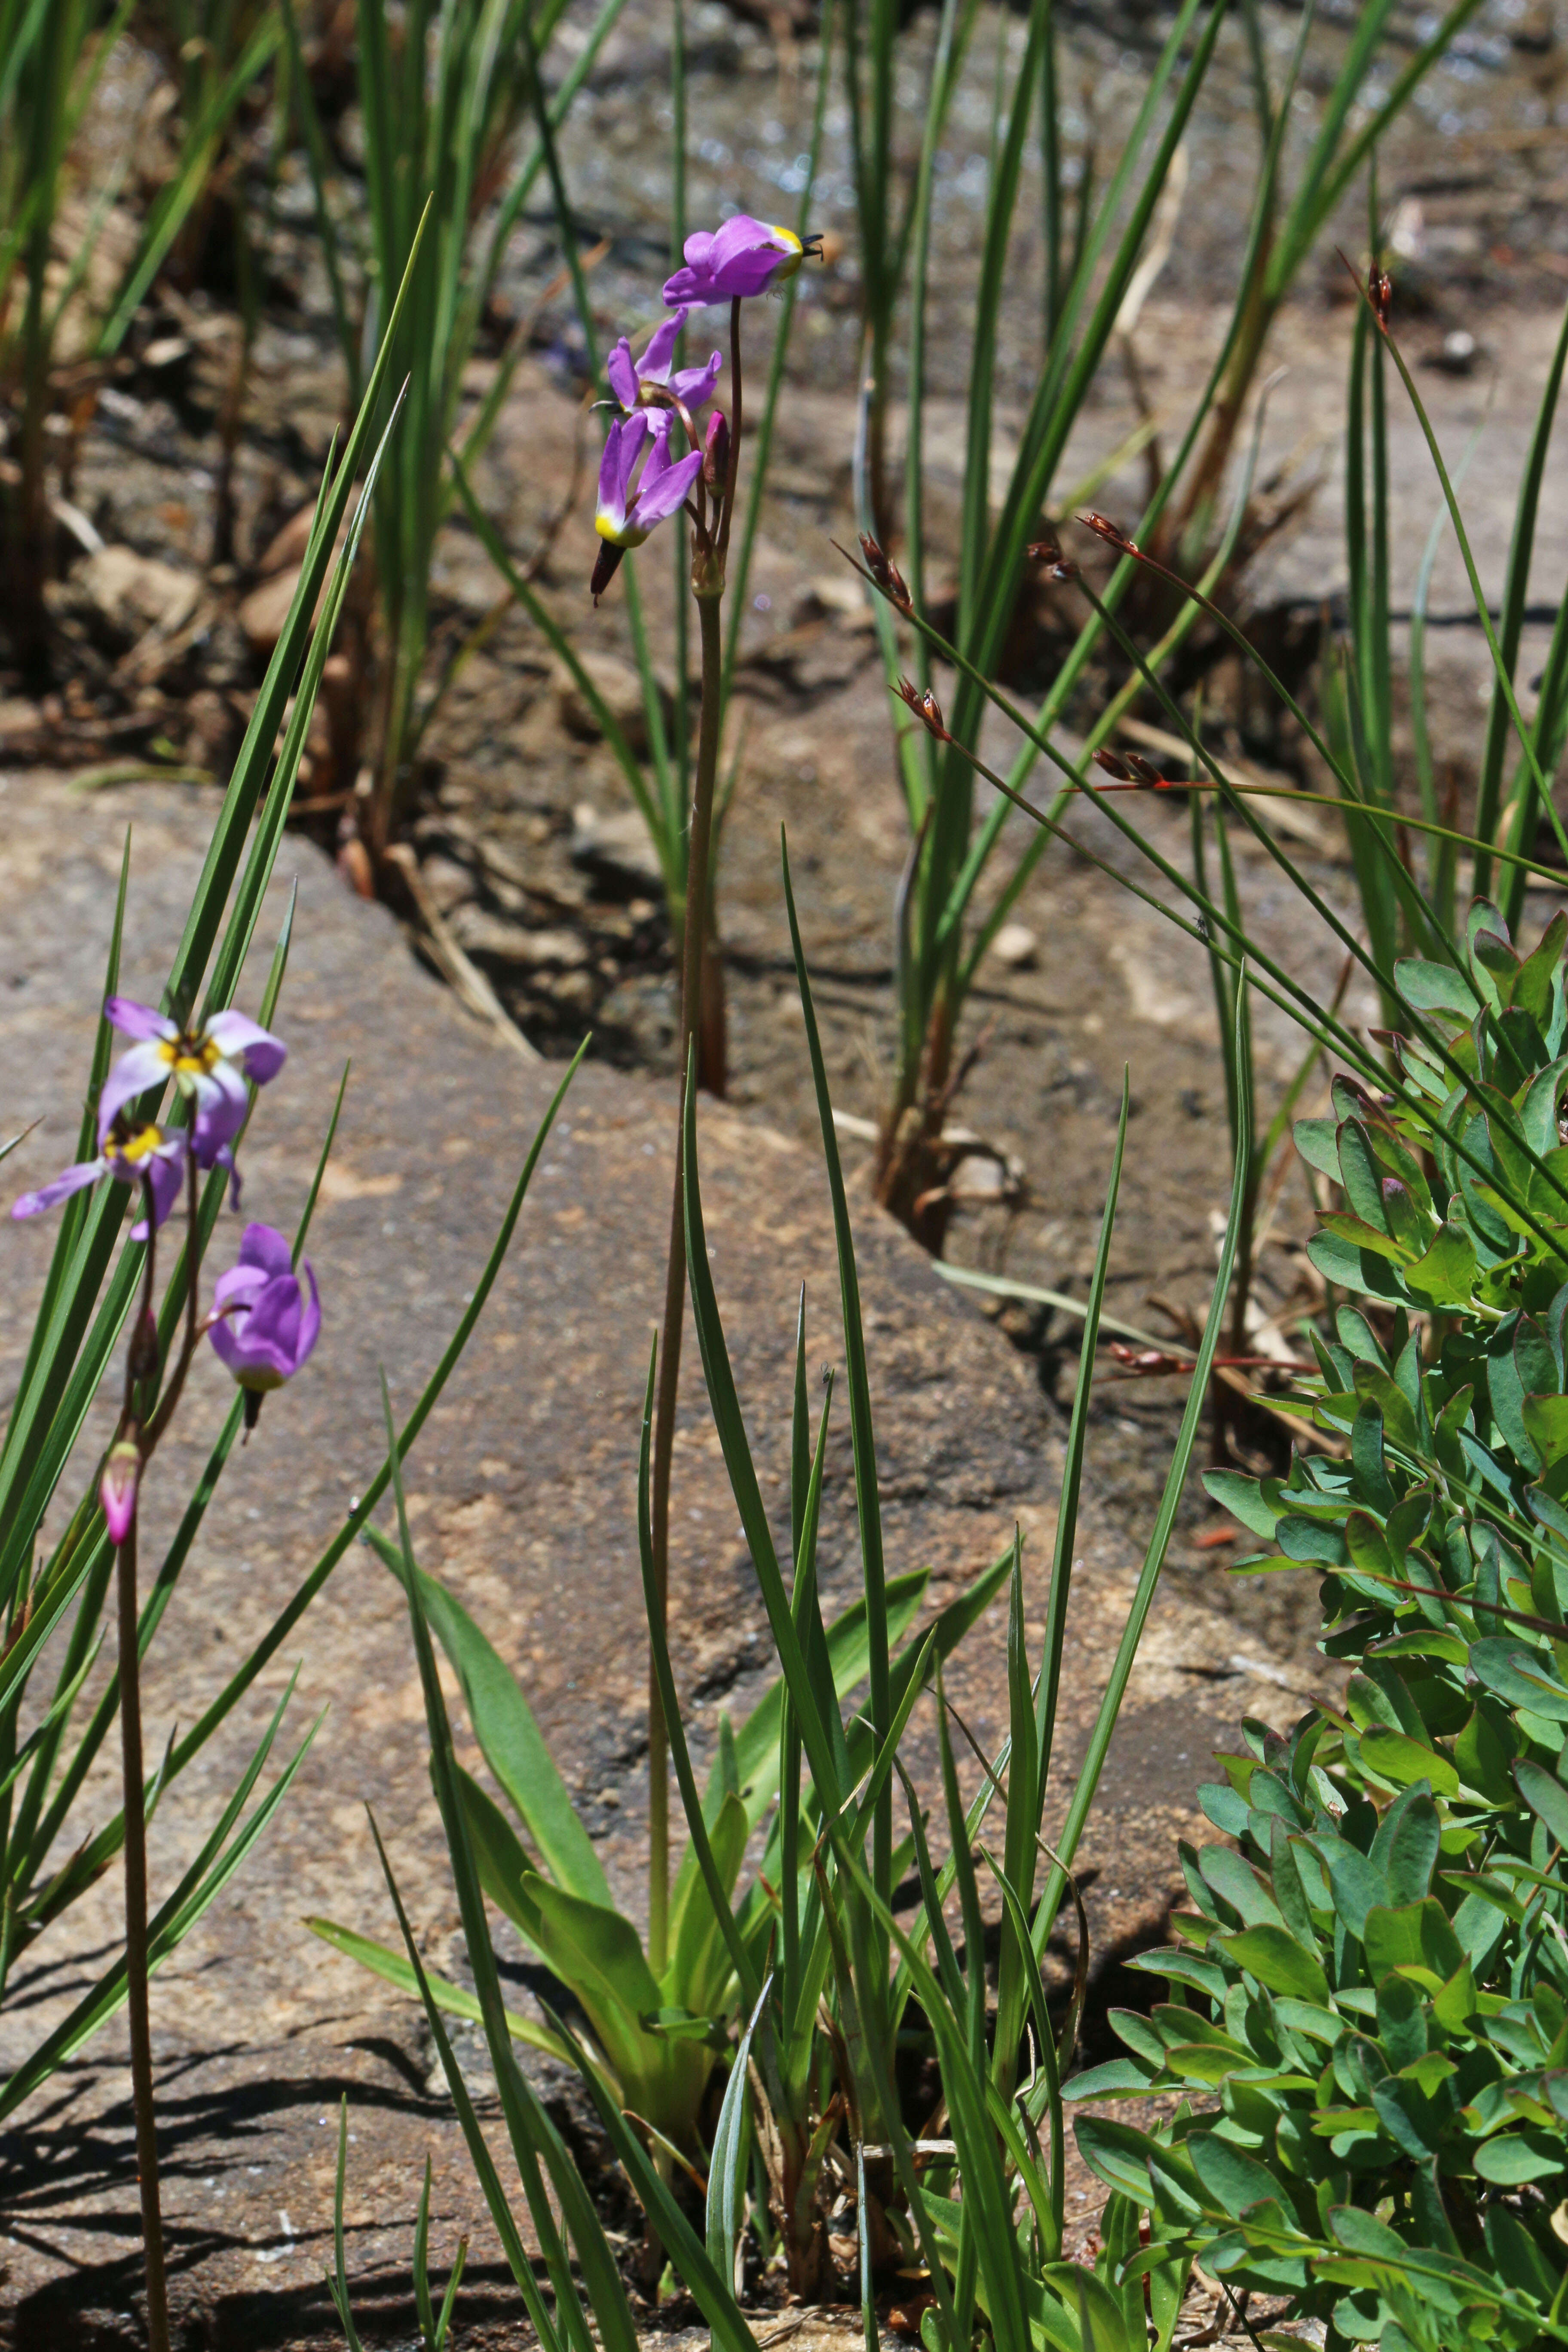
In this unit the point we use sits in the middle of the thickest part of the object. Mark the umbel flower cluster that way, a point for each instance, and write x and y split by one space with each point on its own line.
642 479
264 1320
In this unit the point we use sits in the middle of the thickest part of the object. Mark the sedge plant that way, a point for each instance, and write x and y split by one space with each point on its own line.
1216 921
945 920
660 782
53 57
447 92
1356 683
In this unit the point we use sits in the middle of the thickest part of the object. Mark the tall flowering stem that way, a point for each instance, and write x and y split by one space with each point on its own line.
120 1491
141 1361
263 1327
708 587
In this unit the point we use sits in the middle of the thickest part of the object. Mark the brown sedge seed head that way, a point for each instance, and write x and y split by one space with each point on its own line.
1048 551
886 574
926 707
1103 528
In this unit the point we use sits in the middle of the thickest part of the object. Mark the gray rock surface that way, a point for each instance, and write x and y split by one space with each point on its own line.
522 1493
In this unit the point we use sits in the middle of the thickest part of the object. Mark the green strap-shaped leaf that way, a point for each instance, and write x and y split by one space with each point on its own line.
510 1740
455 2000
727 2165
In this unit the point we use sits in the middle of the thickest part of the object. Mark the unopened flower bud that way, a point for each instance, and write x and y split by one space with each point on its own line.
144 1349
716 454
117 1489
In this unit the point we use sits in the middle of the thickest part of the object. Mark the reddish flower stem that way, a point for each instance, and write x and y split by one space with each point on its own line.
136 1945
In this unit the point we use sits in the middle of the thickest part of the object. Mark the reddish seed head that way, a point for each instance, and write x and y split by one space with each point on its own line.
1103 528
1147 1360
1048 551
926 707
1114 765
886 574
1380 292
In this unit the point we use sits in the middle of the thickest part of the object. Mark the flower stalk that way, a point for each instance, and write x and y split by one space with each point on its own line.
131 1438
263 1327
641 484
693 958
711 474
711 548
136 1941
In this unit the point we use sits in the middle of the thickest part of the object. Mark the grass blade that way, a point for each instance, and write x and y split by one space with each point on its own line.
868 1505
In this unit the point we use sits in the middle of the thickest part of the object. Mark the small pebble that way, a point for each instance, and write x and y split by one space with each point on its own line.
1015 946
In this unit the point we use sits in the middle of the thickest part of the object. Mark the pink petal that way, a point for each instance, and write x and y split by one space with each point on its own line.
166 1174
260 1053
222 1100
654 365
740 236
623 445
134 1074
666 493
751 272
271 1334
622 374
265 1246
73 1179
133 1020
695 385
310 1320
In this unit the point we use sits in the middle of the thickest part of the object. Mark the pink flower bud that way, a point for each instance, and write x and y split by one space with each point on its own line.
117 1489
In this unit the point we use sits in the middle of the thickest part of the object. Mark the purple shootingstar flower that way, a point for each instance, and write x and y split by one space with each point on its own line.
639 382
622 519
625 520
129 1153
745 257
117 1489
263 1324
210 1067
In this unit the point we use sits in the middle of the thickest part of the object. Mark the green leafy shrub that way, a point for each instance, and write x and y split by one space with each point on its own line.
1374 1980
